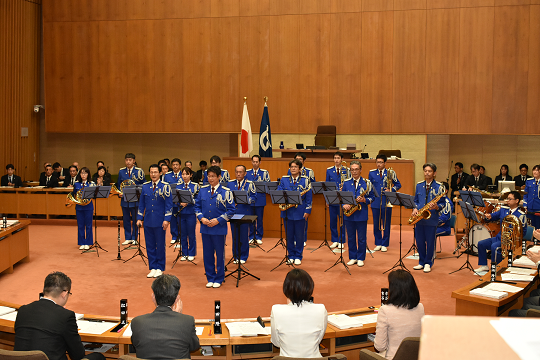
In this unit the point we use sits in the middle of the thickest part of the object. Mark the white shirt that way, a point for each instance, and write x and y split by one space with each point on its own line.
298 331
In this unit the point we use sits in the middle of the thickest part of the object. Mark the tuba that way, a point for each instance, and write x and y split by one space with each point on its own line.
123 184
511 234
77 199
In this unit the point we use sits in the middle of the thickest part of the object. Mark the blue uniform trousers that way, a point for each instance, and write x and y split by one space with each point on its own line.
155 247
258 225
84 227
244 241
188 240
535 220
174 224
130 222
334 215
214 266
484 245
356 235
382 239
425 241
295 230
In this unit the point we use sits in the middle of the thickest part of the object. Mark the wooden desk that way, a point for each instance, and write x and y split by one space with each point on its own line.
14 246
315 154
474 305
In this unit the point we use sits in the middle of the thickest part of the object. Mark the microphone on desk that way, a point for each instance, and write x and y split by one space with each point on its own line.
364 148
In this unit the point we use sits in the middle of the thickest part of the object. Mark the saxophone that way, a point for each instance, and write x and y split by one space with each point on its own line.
284 207
511 233
358 206
425 213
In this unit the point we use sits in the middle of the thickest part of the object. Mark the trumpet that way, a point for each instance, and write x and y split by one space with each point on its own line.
77 199
390 173
343 176
123 184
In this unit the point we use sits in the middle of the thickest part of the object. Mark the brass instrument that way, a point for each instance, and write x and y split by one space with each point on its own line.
511 234
425 213
123 184
284 207
343 177
358 206
483 192
390 173
77 199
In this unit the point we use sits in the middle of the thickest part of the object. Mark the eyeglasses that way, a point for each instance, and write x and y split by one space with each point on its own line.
69 292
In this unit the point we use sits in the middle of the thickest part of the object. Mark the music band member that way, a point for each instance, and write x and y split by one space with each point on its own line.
307 172
296 216
256 230
129 209
458 179
85 237
214 207
155 212
476 179
188 220
443 227
50 179
242 184
513 199
522 177
382 213
216 161
425 230
337 174
489 181
356 223
174 177
531 199
10 179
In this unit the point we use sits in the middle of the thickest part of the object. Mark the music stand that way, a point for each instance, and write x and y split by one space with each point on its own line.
260 188
272 186
132 194
403 201
176 216
318 187
238 220
472 197
95 192
285 198
470 215
181 197
339 198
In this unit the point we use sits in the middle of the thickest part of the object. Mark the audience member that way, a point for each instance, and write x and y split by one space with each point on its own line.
72 178
198 176
401 316
299 326
188 164
458 179
164 170
102 177
167 161
504 175
483 172
522 177
10 179
42 175
48 326
476 179
76 164
62 173
165 333
50 180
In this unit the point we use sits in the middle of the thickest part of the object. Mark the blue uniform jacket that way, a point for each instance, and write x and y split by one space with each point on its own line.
260 175
505 210
137 175
155 207
380 184
194 189
248 186
173 178
224 177
332 174
363 184
78 186
420 201
303 183
531 200
307 172
220 206
445 214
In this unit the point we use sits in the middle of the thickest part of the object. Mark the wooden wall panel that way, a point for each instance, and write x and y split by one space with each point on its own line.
409 71
410 4
376 95
510 68
377 5
442 70
475 69
533 92
251 37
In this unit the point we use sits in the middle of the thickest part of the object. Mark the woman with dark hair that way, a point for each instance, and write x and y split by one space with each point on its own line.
188 220
298 327
84 213
102 177
504 175
401 316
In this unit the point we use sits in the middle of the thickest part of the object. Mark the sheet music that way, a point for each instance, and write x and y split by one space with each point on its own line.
94 327
502 287
516 277
520 271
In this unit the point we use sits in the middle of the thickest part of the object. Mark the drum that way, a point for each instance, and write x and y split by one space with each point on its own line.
487 209
481 232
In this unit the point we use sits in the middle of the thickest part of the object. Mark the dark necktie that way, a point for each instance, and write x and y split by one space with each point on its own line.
523 178
48 179
476 180
11 179
129 174
154 189
294 182
185 186
212 194
354 184
427 192
380 174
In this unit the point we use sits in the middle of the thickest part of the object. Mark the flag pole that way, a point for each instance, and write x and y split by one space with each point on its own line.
245 99
265 100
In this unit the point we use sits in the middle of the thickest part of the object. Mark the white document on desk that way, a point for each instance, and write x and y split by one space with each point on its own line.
12 316
521 335
520 271
94 327
517 277
502 287
6 310
199 330
127 332
367 319
246 328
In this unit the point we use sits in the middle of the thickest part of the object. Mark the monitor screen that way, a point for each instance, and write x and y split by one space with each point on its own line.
506 186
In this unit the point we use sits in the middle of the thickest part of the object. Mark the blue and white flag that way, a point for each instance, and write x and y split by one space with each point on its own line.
265 137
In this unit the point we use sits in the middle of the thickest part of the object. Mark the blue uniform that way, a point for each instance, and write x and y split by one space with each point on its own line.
155 207
425 230
129 210
188 221
443 227
335 175
379 183
295 222
307 172
356 224
224 177
495 242
531 200
218 206
84 217
243 209
259 204
172 178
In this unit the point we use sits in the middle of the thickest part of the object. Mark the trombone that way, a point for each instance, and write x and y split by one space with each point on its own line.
390 173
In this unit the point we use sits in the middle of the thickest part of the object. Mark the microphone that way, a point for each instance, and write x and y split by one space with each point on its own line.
364 148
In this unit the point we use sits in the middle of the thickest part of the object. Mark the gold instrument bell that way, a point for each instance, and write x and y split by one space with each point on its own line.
77 199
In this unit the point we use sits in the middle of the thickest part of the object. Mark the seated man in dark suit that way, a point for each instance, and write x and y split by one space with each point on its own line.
476 179
10 179
50 180
42 175
522 177
62 173
458 179
47 326
165 333
72 178
483 172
